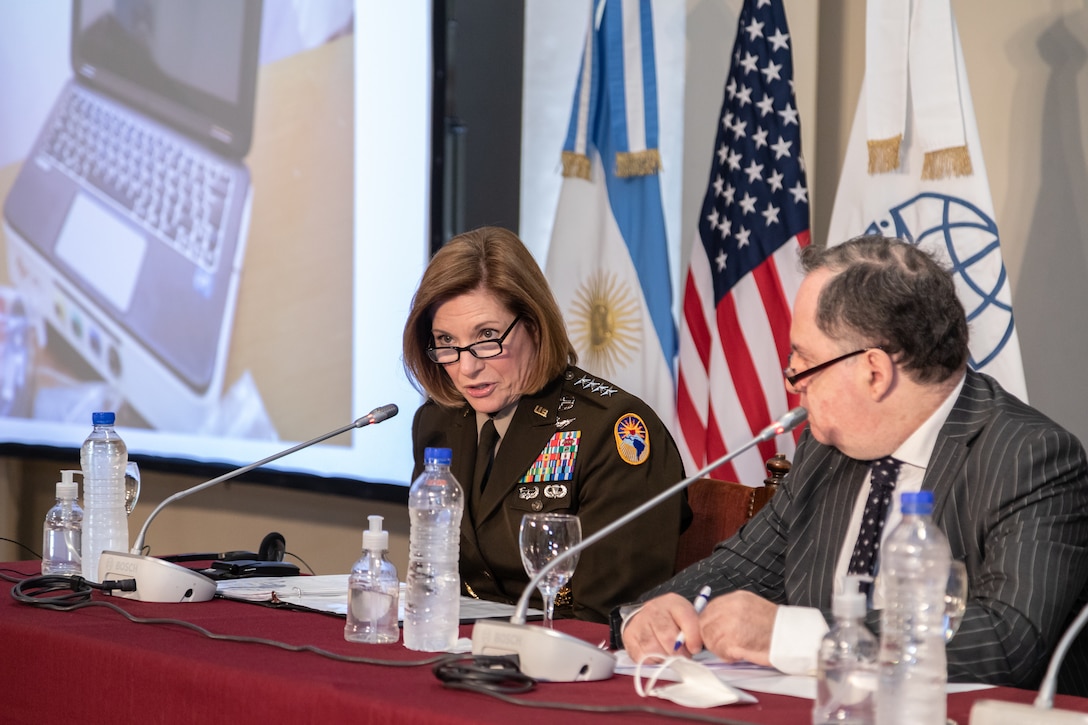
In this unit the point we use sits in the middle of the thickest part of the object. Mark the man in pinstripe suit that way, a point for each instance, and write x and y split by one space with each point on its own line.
879 359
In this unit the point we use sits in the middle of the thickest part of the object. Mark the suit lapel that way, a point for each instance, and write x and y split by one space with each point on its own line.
463 438
831 493
964 423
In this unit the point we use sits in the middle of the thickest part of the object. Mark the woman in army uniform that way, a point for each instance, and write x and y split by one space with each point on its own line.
486 343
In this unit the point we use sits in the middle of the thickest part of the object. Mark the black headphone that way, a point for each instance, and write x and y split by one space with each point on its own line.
272 548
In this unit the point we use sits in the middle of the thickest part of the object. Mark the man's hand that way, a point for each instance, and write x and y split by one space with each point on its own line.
738 626
734 626
654 628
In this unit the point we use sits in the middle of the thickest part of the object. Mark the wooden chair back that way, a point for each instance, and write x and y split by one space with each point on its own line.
720 508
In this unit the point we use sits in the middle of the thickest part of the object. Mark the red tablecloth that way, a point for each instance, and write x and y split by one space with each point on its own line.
93 665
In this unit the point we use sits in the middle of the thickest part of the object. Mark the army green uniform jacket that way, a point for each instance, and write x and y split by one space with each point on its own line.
581 446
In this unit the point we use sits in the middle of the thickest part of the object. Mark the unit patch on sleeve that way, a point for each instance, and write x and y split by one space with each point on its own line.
632 439
556 461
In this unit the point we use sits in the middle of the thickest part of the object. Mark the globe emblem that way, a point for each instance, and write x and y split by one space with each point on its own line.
965 239
632 439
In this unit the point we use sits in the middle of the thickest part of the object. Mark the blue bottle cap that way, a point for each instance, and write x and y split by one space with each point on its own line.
102 418
920 502
442 456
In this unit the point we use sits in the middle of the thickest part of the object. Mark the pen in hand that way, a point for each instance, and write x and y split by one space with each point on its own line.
700 604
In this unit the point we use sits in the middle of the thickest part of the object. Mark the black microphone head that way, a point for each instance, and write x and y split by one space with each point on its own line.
382 412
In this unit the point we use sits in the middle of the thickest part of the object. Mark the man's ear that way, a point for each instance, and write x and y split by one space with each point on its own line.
883 374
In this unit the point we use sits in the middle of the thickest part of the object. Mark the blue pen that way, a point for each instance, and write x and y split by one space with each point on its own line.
700 604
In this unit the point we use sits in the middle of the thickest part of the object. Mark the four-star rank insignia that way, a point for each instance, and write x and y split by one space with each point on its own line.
632 439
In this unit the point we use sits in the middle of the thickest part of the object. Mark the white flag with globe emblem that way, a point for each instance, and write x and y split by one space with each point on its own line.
952 217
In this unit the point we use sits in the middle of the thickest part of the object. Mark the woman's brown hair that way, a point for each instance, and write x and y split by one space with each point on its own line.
496 261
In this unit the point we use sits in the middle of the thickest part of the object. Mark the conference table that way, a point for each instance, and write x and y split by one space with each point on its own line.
95 665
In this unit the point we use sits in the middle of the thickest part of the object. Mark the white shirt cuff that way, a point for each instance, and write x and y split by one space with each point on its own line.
795 640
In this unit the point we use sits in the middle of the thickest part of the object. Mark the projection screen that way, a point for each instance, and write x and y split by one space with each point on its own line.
214 216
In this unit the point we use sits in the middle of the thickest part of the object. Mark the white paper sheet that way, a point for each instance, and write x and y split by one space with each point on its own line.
756 678
329 593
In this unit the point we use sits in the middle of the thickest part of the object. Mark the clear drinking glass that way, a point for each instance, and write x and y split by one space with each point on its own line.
955 598
132 486
542 538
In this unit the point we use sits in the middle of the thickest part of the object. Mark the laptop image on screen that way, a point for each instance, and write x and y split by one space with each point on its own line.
128 220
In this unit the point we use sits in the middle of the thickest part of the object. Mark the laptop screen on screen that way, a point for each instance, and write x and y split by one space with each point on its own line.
143 54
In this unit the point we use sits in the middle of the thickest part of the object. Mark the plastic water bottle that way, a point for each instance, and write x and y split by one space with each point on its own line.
63 531
103 458
433 598
914 566
373 591
846 677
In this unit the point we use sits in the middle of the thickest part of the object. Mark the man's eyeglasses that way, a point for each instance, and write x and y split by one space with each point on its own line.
447 355
793 377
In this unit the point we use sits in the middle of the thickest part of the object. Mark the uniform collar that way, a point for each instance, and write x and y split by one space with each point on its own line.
501 419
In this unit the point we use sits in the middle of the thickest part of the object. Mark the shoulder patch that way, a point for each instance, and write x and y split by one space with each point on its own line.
632 439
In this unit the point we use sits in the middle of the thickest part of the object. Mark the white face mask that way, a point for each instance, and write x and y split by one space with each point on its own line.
698 686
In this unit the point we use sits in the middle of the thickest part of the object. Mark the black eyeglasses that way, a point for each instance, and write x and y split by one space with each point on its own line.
794 377
447 355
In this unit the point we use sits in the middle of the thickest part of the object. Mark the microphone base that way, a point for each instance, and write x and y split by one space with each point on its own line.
543 654
995 712
156 580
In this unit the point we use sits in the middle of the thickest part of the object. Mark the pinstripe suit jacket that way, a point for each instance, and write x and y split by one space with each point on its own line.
1010 492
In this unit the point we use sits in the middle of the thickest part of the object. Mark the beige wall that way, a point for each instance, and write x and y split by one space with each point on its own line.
1025 62
1030 89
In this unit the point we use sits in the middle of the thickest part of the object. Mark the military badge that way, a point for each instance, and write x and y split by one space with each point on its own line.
566 403
632 439
528 492
555 490
556 460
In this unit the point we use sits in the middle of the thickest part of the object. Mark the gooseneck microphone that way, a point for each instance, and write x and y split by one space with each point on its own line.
549 655
167 582
375 416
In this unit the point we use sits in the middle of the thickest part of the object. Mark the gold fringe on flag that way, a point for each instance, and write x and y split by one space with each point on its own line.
575 164
637 163
942 163
884 155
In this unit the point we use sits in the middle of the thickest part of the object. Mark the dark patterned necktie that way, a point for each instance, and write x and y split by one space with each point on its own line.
485 454
883 474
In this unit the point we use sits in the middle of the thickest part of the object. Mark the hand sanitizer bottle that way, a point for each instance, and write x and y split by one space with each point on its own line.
846 677
373 591
63 531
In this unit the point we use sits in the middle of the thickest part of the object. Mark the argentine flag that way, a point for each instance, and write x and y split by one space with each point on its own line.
608 261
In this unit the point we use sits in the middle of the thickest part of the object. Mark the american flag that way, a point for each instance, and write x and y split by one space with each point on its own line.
743 273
